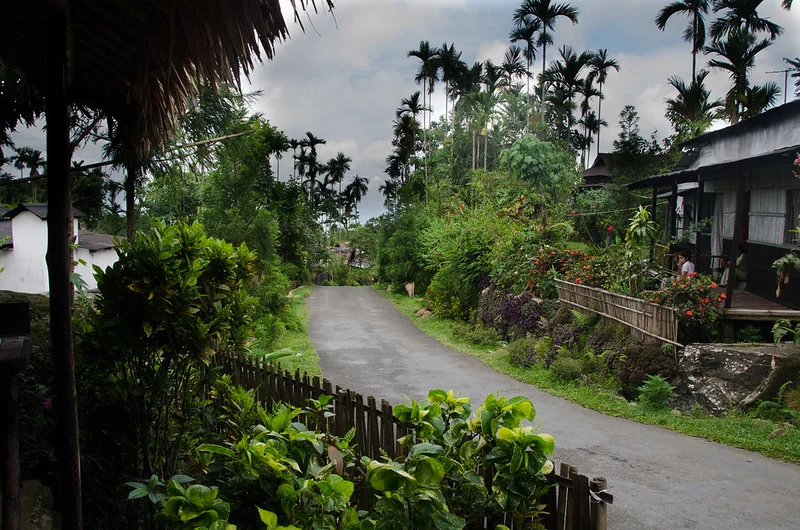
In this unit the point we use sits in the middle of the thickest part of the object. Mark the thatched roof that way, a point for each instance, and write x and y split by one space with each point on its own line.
139 60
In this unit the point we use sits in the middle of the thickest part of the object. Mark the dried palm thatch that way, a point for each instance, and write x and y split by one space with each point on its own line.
140 60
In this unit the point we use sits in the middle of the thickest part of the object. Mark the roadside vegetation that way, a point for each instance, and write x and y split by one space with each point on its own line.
767 431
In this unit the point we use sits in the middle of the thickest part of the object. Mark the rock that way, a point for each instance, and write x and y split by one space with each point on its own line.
722 376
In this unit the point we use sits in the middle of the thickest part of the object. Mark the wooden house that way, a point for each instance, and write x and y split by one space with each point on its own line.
601 172
742 179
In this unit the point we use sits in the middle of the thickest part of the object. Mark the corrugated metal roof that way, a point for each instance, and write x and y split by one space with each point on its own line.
95 241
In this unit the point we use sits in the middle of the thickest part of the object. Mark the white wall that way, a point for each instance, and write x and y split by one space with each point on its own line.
101 258
25 265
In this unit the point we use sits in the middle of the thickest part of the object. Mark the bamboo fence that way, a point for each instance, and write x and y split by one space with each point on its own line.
655 320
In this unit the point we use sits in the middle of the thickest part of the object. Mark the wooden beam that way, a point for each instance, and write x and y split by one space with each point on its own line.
697 218
738 238
59 261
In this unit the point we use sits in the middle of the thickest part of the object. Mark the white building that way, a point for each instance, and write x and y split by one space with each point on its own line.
23 246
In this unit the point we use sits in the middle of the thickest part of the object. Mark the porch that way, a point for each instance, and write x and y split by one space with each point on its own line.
746 305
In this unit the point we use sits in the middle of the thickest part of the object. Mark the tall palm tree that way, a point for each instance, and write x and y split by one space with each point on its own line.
451 65
695 32
736 56
354 192
312 166
547 14
27 157
429 75
336 169
591 124
587 91
525 32
294 144
759 98
566 72
428 69
742 15
280 145
389 189
512 66
601 64
692 110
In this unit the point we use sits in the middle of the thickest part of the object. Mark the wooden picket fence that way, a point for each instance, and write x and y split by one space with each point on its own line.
572 503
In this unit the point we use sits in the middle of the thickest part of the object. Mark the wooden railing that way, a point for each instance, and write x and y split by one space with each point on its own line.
572 503
655 320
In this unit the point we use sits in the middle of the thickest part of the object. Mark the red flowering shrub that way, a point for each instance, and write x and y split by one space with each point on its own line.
697 304
546 264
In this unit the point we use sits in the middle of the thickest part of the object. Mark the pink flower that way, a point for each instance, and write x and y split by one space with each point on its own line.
797 160
48 403
610 228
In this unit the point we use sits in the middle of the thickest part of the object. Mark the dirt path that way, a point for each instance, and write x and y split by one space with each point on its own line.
660 479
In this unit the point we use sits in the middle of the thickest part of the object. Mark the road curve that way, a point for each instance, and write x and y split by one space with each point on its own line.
659 478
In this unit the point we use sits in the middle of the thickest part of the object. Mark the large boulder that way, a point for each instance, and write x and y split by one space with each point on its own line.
722 376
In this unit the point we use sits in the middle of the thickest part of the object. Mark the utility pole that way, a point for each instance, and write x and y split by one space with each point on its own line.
785 80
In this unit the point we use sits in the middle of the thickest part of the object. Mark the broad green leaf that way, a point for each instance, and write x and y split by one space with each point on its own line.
138 493
545 443
425 448
268 518
216 449
201 496
429 471
172 509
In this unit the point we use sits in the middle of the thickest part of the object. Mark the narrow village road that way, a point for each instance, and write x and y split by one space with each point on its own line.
660 479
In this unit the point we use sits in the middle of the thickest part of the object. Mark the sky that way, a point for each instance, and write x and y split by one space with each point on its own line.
344 77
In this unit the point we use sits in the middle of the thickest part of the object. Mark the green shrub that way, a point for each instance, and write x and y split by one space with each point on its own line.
750 334
655 393
522 352
292 272
640 361
451 298
478 334
567 368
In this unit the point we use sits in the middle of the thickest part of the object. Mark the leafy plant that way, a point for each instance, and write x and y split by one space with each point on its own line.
783 327
696 302
655 393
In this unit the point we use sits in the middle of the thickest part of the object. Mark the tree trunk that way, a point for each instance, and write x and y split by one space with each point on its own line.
486 150
544 63
131 171
59 260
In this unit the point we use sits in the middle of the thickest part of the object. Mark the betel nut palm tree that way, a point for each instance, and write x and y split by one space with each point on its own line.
736 55
601 64
695 32
742 15
692 110
547 14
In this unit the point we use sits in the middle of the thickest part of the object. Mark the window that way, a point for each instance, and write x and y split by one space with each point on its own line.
792 213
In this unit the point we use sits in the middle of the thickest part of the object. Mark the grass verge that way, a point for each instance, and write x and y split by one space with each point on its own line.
735 429
303 354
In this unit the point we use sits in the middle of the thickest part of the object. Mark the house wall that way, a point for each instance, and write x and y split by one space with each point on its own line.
768 187
25 265
102 258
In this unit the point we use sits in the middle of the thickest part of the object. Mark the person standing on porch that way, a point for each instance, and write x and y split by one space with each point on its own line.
685 263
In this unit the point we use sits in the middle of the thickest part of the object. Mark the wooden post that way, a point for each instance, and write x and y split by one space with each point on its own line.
699 232
738 238
580 502
653 202
599 508
9 424
59 264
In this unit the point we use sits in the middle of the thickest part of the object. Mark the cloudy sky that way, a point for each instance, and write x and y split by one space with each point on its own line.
344 77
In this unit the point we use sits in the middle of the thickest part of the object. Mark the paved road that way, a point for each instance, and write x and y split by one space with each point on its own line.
660 479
